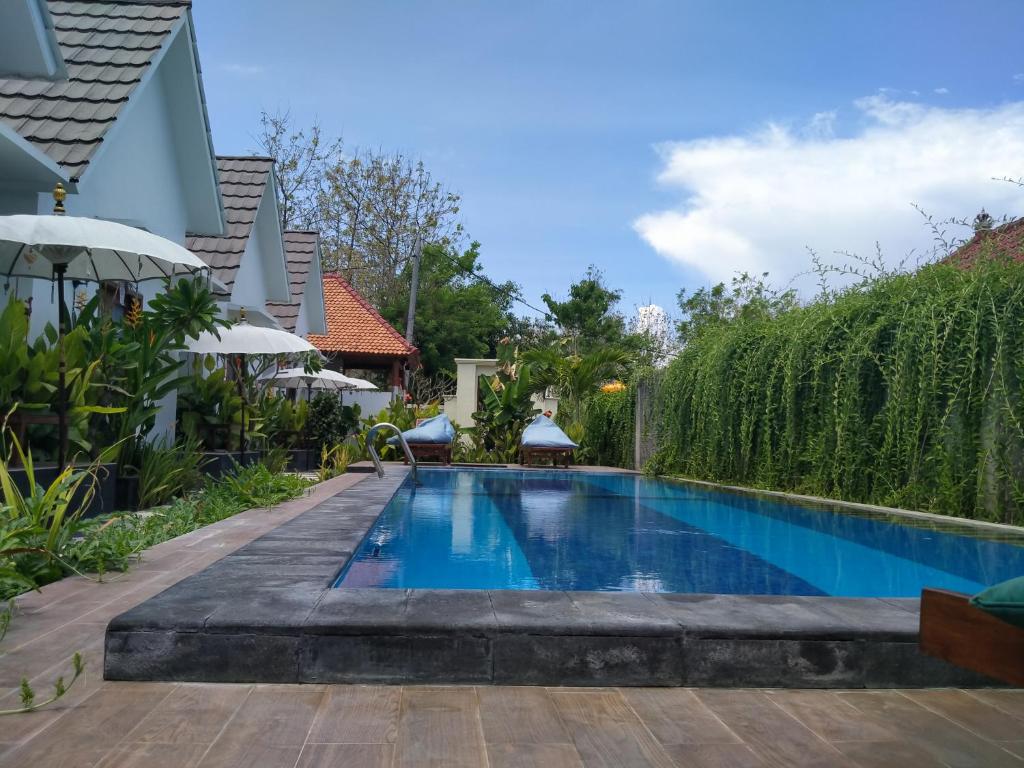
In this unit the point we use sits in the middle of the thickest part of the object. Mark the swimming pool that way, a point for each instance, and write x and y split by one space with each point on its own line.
550 530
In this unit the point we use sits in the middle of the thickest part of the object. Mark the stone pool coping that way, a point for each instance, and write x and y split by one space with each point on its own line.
267 613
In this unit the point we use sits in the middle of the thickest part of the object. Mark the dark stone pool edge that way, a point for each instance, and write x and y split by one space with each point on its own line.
265 613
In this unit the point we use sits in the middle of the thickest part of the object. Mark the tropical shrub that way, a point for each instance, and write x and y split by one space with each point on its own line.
210 410
38 528
328 421
904 391
334 461
166 472
506 406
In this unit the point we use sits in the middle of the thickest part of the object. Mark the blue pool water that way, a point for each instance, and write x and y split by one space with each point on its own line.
506 529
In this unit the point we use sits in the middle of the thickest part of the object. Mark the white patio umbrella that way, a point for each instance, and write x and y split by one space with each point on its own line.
324 379
243 339
59 247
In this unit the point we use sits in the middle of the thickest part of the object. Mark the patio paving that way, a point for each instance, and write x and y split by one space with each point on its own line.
198 724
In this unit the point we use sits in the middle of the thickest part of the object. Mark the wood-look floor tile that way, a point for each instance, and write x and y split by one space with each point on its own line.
519 715
439 729
677 716
40 655
1009 701
250 755
943 739
888 754
987 721
346 756
533 756
153 755
830 717
606 732
715 756
271 724
1014 747
86 734
192 714
776 737
358 714
23 727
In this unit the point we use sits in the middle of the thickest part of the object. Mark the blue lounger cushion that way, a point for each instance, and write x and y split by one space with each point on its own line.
542 432
437 430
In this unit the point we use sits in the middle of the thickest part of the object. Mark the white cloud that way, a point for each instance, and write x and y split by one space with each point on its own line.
756 202
236 68
940 91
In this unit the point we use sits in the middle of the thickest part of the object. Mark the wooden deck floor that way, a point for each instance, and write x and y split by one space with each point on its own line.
117 725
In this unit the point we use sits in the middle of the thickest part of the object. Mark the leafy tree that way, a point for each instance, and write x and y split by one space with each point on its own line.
588 318
459 313
529 332
748 297
370 206
576 377
301 156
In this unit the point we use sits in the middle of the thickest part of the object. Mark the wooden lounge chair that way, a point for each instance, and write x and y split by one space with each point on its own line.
954 630
542 439
437 449
529 456
440 452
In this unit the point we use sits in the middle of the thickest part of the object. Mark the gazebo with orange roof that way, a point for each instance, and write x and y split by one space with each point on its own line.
358 337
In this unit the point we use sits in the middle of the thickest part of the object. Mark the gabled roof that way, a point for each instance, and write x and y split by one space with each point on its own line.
243 180
107 48
354 327
300 249
1004 240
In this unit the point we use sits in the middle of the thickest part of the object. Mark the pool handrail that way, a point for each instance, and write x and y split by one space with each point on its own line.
373 450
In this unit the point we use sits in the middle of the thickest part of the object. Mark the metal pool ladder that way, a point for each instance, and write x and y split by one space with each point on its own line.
401 438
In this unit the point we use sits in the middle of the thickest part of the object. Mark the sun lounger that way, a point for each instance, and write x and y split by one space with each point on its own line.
430 440
542 439
955 630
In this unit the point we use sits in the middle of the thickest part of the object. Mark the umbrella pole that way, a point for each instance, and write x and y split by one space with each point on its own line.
62 393
241 395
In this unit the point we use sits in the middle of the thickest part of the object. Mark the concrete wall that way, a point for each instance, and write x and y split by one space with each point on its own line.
370 402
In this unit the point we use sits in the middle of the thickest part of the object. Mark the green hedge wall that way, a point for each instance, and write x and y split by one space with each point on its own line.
608 429
906 392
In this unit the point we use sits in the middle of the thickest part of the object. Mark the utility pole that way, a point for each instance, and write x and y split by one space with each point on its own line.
410 319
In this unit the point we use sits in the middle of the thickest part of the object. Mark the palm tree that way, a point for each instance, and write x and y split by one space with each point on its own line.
576 377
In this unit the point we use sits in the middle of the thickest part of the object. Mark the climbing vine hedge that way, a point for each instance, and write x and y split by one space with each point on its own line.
608 435
904 392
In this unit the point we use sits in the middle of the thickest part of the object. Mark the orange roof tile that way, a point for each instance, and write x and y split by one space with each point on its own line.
1006 240
354 327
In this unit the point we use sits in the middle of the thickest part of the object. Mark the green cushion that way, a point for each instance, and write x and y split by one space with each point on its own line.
1004 601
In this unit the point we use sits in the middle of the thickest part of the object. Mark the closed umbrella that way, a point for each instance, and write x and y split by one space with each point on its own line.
61 247
243 339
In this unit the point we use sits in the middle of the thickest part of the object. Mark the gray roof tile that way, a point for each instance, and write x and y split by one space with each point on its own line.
243 180
300 248
107 47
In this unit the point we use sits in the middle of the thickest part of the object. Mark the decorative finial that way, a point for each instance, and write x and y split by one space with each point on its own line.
983 221
58 199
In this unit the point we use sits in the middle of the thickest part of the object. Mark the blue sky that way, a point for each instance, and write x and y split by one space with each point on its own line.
668 143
